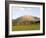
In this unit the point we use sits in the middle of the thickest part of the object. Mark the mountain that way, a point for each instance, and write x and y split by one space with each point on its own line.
26 18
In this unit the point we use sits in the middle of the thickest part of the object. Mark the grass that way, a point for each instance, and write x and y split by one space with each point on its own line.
35 26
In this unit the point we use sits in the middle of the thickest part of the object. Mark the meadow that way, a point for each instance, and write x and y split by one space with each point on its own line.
22 27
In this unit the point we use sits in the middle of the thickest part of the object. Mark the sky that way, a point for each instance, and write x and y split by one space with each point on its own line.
21 11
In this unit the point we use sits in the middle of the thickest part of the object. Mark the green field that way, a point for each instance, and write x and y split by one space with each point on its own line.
35 26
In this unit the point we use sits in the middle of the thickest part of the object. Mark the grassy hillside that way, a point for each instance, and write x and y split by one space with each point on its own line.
26 27
25 23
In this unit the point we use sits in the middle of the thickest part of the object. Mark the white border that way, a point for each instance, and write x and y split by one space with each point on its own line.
25 32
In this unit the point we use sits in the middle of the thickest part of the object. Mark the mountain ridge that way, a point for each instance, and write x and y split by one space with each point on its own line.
26 18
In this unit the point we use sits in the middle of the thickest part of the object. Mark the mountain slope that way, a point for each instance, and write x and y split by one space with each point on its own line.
26 18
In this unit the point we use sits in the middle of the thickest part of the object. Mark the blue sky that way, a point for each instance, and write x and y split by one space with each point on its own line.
21 11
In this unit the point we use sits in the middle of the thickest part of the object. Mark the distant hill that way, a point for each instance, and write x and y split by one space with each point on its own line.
26 18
